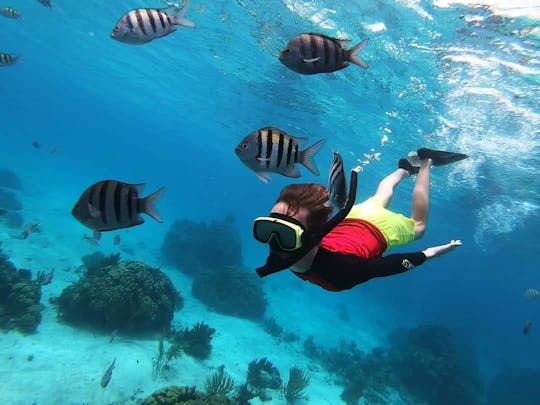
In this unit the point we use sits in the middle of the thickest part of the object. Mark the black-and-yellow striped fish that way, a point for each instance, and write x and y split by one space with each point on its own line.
143 25
310 54
272 150
7 59
110 204
10 12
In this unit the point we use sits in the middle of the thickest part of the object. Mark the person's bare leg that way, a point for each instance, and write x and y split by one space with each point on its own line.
385 190
420 208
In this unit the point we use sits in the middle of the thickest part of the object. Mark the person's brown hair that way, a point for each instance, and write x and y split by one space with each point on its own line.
311 196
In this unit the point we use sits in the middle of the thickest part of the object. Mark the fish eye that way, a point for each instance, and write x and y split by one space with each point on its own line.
244 146
116 29
287 50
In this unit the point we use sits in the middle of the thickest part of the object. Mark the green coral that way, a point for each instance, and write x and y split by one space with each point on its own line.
129 296
19 298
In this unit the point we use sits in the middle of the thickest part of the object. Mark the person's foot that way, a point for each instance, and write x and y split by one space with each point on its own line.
411 164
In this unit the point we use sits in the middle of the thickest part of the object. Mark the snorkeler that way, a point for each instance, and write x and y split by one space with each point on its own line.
347 250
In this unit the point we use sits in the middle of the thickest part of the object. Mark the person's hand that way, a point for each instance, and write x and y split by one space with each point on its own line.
436 251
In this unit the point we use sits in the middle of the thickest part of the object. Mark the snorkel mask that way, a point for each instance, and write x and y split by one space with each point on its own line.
284 234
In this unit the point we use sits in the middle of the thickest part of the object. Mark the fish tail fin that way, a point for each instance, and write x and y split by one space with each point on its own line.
179 16
354 58
307 156
148 204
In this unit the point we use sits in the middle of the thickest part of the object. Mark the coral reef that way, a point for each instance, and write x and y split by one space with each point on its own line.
19 298
8 179
426 363
12 219
98 260
175 395
434 366
231 291
9 201
192 246
194 342
129 296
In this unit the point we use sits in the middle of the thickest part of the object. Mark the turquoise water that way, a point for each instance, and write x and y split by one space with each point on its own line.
171 112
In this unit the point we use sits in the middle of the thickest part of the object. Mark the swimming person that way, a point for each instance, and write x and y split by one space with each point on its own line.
347 250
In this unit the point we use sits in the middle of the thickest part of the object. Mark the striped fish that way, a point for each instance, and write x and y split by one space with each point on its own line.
10 12
310 54
46 3
337 184
272 150
7 60
143 25
110 204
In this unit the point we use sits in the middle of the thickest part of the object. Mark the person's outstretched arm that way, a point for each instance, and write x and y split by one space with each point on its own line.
440 250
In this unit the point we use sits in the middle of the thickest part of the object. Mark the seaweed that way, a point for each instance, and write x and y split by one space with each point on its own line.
294 388
195 342
219 384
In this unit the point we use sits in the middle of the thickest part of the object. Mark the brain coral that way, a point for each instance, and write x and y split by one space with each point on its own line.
130 296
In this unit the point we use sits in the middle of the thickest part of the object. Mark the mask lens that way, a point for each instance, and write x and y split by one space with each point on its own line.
279 235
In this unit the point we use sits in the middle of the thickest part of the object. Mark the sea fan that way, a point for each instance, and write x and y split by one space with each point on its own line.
294 388
219 384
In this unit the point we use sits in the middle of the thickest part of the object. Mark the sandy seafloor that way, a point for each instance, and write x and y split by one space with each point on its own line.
68 363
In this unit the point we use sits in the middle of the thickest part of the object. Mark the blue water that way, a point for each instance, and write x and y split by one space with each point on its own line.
170 113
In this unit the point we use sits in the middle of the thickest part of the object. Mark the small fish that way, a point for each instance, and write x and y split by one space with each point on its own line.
36 145
532 293
91 240
7 59
3 212
311 53
110 204
46 3
53 150
116 240
527 328
113 335
143 25
108 374
272 150
10 12
337 184
30 229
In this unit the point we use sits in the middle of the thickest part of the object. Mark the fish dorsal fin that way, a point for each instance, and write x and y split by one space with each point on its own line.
139 188
300 140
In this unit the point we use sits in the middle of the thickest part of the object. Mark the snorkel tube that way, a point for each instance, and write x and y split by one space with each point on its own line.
276 263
